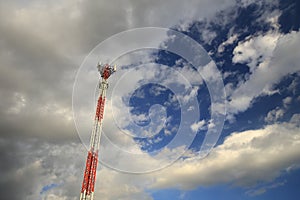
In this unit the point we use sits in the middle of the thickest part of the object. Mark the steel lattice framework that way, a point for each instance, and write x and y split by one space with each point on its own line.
89 178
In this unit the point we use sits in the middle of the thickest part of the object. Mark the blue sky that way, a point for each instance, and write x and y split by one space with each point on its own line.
284 96
215 121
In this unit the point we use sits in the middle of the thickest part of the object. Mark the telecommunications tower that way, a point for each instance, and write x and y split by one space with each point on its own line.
89 178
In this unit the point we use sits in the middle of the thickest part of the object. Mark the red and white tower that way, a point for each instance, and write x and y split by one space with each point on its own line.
89 178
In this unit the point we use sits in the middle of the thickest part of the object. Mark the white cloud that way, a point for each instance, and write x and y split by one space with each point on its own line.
169 12
279 60
115 185
287 101
208 35
230 40
245 3
274 115
261 190
255 50
295 119
244 159
271 17
198 125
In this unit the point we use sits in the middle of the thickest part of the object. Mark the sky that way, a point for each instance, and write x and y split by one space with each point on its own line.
204 103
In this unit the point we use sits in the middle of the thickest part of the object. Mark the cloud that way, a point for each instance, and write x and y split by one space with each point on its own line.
275 115
277 63
198 125
270 151
42 45
287 101
77 26
255 50
295 118
49 187
230 40
115 185
41 165
261 190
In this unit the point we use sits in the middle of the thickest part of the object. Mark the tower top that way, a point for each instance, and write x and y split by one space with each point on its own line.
106 70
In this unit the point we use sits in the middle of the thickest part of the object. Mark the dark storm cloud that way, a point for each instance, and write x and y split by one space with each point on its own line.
28 166
15 172
34 70
42 46
35 87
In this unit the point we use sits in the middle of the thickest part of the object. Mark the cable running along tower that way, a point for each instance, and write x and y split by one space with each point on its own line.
89 178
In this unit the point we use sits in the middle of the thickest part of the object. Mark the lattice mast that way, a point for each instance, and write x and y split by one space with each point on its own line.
89 178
